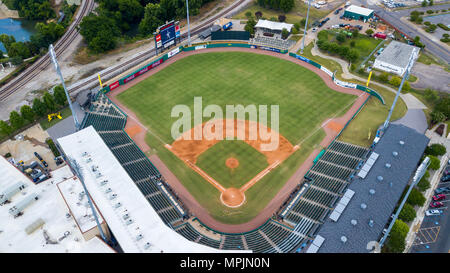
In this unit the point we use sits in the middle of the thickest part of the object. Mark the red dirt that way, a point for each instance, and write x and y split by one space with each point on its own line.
232 163
186 197
232 197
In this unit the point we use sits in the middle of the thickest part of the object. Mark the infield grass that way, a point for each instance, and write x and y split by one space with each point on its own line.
231 78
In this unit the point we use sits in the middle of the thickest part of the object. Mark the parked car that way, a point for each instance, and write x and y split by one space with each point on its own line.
438 197
445 178
433 212
442 190
447 171
436 204
314 29
358 27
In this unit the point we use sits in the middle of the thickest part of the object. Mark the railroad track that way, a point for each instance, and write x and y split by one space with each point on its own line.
150 53
62 44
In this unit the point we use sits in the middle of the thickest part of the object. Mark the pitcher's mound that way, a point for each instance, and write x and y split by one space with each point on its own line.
232 163
232 197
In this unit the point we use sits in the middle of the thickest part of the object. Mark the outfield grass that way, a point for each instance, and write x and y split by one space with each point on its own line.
225 78
251 162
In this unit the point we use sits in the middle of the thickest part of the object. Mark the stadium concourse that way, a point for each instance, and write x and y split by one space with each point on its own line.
290 230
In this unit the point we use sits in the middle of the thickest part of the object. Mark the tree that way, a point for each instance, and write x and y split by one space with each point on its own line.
284 33
39 107
436 150
46 34
258 14
100 32
437 116
303 22
286 5
250 26
395 81
352 44
424 3
396 243
435 163
59 95
406 86
430 3
407 214
49 101
340 37
281 18
5 128
27 113
16 120
416 198
248 14
431 95
151 20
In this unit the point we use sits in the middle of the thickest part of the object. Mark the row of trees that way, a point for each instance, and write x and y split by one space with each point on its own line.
284 5
116 18
32 9
343 51
40 108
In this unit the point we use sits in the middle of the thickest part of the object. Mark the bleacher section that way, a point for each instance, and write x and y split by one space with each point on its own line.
326 181
271 42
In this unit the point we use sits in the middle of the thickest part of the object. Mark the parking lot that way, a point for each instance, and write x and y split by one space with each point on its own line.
432 236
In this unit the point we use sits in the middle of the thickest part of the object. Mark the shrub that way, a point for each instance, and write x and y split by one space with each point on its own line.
431 95
423 184
427 23
435 163
437 116
281 18
340 37
39 107
258 14
435 150
384 77
430 11
407 214
416 198
52 147
352 43
396 243
27 113
248 14
395 81
369 32
16 120
7 155
5 128
322 35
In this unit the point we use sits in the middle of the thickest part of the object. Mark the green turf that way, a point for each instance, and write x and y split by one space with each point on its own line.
251 162
224 78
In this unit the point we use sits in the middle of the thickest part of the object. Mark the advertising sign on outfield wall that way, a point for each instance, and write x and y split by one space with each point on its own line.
301 58
173 52
345 84
114 85
158 41
326 71
200 47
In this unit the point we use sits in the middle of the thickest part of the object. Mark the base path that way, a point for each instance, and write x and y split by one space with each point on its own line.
330 127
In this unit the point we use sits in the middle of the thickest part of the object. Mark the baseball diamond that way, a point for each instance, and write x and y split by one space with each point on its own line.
308 111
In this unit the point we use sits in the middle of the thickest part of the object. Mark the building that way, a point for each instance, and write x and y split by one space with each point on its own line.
134 223
364 211
358 13
395 58
44 225
271 29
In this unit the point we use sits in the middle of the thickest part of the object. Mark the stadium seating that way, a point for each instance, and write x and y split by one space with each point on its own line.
271 42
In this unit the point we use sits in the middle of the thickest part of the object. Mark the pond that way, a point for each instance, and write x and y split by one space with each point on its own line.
19 28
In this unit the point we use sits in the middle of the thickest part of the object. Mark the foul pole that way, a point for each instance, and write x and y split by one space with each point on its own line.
189 30
306 26
55 63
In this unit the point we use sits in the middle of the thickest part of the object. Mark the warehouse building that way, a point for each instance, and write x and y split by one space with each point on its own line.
358 13
395 58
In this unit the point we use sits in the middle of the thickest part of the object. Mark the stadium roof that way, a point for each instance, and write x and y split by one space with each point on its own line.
359 10
397 53
49 210
157 237
273 25
381 203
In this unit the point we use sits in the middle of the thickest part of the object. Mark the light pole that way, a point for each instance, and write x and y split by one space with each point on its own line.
306 25
189 30
55 62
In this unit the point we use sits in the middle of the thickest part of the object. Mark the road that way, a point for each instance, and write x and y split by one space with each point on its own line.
393 18
43 63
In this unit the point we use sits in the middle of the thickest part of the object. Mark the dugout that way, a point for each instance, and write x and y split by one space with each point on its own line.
358 13
230 35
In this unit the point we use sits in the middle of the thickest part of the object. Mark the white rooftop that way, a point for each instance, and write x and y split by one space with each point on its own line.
74 196
273 25
359 10
61 231
157 237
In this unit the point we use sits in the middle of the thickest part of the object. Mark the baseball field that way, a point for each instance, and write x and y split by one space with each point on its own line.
208 169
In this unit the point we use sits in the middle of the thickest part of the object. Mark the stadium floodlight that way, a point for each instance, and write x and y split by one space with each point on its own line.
187 15
306 26
58 70
408 69
77 169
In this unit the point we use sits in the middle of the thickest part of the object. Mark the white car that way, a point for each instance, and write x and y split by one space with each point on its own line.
433 212
314 29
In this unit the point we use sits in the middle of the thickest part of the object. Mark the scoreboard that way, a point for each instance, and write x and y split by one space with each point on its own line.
167 35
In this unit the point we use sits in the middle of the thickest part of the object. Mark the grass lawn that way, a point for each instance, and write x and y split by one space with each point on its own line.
373 113
293 16
65 113
231 78
426 59
251 162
